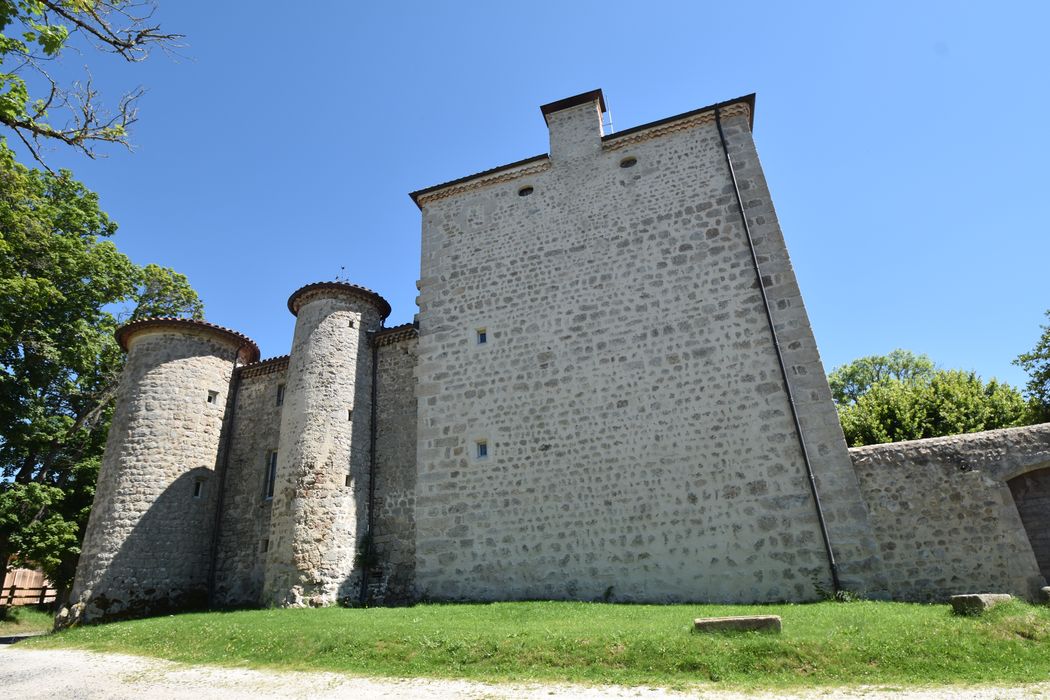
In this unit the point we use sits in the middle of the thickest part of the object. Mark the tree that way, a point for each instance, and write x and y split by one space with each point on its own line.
849 382
904 396
1037 364
64 289
34 32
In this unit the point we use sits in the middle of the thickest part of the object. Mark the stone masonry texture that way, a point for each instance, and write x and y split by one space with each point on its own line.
639 441
244 531
944 516
147 544
318 512
597 400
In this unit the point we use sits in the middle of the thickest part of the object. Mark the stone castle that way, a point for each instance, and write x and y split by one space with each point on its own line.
611 392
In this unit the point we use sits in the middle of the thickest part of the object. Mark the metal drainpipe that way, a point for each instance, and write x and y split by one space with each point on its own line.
780 359
224 463
363 596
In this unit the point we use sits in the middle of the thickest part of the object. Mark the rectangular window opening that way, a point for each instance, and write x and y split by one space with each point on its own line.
483 336
349 480
271 474
482 449
280 394
349 414
213 396
351 324
264 546
198 488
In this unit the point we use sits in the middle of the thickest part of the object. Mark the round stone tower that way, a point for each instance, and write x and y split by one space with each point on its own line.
147 544
320 502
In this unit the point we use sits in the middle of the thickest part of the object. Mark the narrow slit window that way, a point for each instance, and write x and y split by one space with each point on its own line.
198 488
280 394
271 474
349 480
213 397
482 449
349 414
483 336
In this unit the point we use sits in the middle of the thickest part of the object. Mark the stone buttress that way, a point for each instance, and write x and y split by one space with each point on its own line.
319 512
147 548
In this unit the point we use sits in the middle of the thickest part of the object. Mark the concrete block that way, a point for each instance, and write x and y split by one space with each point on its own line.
977 603
743 623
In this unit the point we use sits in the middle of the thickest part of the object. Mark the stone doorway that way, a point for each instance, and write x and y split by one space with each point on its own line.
1031 492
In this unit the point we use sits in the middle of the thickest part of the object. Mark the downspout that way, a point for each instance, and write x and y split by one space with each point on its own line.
836 586
224 463
369 532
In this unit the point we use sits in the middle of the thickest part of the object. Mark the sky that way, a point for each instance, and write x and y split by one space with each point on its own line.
905 145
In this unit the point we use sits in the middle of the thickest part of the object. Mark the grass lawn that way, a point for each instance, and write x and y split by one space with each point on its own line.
25 618
822 643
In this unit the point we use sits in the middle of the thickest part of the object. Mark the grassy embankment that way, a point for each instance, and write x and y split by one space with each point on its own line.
24 618
822 644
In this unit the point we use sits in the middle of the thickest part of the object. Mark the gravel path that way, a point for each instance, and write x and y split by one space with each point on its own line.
28 673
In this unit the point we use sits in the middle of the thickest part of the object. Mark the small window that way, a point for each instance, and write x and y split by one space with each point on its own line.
482 449
213 396
271 474
349 480
280 394
483 336
351 323
264 546
198 488
349 414
629 162
525 191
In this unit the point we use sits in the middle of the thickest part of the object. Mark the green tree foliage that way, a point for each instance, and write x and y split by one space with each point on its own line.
64 289
850 382
903 396
35 32
1037 364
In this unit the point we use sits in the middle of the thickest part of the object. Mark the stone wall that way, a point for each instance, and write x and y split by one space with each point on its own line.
244 531
944 515
395 470
638 440
319 510
147 548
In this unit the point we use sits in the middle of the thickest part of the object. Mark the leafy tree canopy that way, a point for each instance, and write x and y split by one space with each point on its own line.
1037 364
64 289
37 106
851 381
904 396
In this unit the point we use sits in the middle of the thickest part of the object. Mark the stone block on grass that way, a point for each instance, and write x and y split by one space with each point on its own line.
743 623
977 603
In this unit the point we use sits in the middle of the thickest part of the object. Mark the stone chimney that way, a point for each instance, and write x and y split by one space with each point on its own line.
575 125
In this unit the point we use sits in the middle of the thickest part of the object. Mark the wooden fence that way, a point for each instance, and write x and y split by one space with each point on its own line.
26 587
15 595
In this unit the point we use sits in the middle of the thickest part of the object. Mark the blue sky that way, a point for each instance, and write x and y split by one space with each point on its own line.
905 145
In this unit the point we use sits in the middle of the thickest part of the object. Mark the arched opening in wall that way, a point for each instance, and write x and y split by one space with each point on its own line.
1031 492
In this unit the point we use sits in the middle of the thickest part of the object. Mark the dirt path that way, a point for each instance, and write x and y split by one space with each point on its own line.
27 673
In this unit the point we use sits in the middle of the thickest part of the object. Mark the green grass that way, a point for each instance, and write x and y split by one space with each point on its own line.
822 643
25 618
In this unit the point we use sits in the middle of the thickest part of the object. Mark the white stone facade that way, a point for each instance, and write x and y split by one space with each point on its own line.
611 392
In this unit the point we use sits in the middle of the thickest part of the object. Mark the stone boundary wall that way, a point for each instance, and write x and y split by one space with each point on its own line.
944 517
